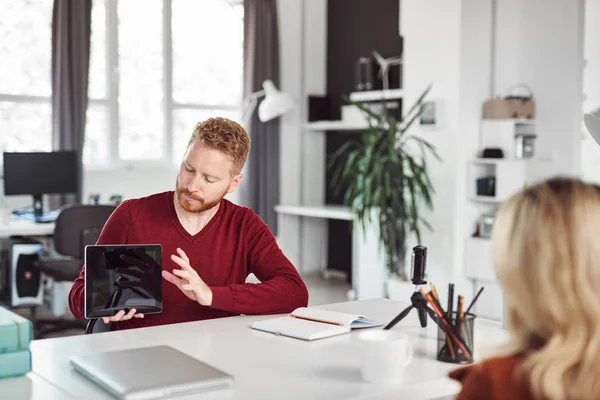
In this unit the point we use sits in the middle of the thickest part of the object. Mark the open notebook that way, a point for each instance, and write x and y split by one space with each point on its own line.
313 323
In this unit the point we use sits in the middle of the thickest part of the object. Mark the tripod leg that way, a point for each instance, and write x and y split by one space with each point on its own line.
423 316
399 317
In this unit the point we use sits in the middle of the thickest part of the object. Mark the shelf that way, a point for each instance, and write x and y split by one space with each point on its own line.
336 126
516 121
486 199
376 95
325 211
496 161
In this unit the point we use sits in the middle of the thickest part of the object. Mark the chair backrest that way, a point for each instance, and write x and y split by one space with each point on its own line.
79 225
96 325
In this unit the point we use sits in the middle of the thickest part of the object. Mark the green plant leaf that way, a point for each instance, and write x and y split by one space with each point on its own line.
382 170
417 104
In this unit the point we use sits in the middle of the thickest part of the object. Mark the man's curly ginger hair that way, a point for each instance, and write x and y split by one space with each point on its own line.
226 136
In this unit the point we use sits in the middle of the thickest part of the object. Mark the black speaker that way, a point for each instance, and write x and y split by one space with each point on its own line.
27 278
21 282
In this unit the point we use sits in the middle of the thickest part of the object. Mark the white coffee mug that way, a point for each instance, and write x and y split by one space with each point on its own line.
384 355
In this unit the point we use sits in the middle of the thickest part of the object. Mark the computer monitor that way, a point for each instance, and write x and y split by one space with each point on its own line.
39 173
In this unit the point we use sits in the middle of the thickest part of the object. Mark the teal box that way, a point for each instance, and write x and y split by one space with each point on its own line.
16 332
15 364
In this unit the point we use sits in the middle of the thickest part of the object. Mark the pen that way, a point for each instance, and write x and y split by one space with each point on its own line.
474 300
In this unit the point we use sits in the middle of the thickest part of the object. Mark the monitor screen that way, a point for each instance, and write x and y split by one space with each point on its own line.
40 173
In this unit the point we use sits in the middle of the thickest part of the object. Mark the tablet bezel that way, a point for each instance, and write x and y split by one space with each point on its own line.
89 313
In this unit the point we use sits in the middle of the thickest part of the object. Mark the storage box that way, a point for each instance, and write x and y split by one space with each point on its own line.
509 108
16 332
15 364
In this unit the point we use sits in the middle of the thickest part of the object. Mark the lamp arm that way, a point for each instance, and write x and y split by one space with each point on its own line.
250 105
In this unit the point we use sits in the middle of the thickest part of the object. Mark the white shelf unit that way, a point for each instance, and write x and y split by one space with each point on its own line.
509 175
479 268
336 126
377 95
325 211
501 133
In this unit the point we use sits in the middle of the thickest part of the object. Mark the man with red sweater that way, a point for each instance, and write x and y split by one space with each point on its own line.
210 245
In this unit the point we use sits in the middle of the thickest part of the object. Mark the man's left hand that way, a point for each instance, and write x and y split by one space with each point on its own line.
188 280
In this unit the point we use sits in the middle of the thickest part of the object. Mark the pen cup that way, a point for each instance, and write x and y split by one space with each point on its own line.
448 350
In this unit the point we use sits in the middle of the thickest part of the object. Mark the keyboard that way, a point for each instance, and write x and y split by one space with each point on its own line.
45 217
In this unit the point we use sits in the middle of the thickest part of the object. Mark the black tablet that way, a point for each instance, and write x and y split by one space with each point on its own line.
122 277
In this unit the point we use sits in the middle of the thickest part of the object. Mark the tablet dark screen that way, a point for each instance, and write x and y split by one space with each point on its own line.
122 277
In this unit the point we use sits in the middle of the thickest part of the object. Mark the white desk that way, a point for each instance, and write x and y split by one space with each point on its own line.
30 387
267 366
369 269
12 226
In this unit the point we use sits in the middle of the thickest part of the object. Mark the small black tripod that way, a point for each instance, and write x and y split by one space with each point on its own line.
419 262
418 302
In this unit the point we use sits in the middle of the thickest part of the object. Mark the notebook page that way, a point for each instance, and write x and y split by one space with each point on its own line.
334 317
299 328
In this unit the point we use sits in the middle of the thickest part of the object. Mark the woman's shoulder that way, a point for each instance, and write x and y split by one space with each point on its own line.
495 378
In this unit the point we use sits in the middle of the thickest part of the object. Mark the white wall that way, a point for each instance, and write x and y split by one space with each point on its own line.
431 31
540 42
451 44
590 151
302 157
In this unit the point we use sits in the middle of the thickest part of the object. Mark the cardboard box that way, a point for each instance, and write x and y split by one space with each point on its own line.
509 108
16 332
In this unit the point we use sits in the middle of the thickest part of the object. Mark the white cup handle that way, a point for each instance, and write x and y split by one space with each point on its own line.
410 353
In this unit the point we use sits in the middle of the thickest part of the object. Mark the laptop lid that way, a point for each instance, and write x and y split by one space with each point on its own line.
150 373
122 277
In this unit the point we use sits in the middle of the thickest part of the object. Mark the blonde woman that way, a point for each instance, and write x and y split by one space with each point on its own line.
546 245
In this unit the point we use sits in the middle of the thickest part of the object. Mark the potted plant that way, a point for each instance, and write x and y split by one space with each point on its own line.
386 169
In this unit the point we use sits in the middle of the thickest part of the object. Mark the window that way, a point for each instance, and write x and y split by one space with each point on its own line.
153 75
25 82
153 78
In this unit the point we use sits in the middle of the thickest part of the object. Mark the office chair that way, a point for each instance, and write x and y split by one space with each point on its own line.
77 226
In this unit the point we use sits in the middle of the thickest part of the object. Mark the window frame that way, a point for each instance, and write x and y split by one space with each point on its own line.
111 101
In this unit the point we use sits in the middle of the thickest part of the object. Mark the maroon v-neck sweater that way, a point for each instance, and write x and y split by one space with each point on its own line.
235 243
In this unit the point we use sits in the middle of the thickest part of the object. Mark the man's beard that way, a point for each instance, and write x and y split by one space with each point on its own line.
200 205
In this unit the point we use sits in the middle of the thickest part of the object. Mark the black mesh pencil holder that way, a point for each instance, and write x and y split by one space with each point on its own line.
448 350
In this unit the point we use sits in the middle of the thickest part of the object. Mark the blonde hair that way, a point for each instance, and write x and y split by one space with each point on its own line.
547 259
226 136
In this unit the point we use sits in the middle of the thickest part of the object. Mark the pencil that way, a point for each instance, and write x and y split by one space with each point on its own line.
435 296
433 291
461 316
446 325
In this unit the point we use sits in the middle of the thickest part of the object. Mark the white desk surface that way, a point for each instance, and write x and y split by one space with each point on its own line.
266 366
30 387
13 226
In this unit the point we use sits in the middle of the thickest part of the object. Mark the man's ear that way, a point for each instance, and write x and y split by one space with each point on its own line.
235 182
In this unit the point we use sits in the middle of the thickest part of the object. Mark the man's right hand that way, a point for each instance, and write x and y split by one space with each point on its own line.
121 316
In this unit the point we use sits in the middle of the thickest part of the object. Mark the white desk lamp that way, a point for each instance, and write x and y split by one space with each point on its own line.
592 123
274 104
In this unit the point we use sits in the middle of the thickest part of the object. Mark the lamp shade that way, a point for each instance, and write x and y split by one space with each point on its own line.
275 102
592 123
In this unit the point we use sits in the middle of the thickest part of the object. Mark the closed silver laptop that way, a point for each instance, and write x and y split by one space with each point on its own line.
150 373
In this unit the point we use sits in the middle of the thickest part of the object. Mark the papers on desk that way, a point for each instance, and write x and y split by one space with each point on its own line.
312 323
